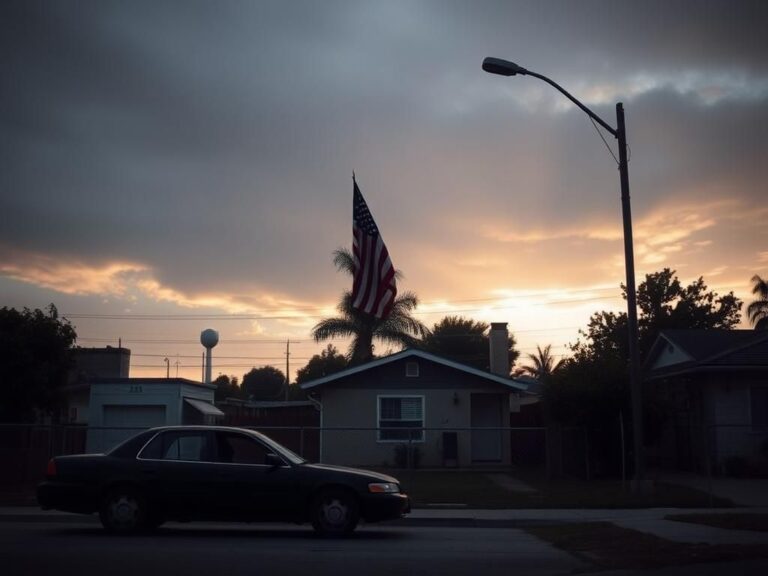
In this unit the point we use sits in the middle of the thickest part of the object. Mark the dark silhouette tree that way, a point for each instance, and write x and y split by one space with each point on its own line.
400 328
35 360
543 363
329 361
265 383
757 311
226 387
465 341
664 304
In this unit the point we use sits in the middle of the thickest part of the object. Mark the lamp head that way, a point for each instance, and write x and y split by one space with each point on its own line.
502 67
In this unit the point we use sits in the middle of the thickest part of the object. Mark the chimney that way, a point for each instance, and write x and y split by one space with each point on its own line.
498 339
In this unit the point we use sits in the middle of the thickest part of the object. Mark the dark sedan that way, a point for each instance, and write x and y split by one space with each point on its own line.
215 473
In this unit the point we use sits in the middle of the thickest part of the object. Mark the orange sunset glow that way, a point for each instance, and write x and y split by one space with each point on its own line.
160 177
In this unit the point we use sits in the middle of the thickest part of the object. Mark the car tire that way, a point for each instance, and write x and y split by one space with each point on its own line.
335 513
124 511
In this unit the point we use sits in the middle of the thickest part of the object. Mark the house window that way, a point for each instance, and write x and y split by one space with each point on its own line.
401 418
759 401
412 369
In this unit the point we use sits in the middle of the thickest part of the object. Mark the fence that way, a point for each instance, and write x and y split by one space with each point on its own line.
721 450
26 449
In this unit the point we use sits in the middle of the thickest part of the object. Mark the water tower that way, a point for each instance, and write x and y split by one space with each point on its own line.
208 338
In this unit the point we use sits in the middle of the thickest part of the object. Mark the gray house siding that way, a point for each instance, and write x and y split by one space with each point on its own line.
350 416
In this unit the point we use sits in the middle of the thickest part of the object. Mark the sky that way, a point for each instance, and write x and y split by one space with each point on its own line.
167 167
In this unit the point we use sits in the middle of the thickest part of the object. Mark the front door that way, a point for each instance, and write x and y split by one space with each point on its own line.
486 412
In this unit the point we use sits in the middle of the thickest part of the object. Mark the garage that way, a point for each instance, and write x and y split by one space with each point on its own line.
121 407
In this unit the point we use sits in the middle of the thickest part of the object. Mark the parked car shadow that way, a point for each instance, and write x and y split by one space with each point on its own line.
229 532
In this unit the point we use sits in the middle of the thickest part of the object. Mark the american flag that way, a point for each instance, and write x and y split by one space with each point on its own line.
373 288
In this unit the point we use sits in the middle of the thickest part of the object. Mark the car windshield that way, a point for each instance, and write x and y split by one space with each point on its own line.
292 457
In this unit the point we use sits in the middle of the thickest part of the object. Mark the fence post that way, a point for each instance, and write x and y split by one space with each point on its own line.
586 452
708 462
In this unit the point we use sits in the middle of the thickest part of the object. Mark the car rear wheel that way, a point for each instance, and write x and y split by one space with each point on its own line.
123 511
335 513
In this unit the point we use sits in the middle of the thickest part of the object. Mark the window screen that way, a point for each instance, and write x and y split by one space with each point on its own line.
401 418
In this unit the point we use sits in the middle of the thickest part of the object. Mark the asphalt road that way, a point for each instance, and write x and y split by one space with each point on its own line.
30 548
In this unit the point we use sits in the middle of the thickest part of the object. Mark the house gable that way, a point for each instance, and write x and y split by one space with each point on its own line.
430 371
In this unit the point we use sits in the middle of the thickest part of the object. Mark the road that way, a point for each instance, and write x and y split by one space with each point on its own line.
28 548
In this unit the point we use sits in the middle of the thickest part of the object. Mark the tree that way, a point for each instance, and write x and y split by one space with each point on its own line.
757 311
664 304
265 383
226 387
35 359
592 387
327 362
400 328
464 340
543 363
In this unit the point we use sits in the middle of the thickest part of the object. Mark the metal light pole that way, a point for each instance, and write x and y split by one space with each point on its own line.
506 68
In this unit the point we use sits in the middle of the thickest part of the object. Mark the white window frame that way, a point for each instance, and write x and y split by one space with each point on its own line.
420 439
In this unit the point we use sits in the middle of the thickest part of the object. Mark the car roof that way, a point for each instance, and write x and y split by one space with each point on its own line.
203 427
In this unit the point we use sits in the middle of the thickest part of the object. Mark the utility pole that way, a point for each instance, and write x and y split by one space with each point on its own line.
287 367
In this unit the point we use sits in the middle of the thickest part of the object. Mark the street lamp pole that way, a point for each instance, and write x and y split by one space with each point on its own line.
506 68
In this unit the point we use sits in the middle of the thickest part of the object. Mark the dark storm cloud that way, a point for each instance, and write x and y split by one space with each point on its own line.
221 136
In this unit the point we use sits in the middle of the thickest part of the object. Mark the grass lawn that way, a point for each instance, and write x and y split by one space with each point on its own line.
475 489
731 521
611 547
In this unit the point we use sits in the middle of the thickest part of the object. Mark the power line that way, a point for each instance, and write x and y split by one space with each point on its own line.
291 315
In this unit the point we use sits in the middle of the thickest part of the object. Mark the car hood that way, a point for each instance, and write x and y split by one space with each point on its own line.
356 471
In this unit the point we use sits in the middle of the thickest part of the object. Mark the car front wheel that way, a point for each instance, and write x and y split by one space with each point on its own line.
123 511
335 513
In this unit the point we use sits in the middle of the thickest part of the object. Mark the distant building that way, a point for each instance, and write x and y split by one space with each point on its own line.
102 395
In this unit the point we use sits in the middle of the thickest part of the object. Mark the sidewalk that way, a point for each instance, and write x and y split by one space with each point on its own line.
649 520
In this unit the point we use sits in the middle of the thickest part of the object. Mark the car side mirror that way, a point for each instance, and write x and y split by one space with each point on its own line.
273 460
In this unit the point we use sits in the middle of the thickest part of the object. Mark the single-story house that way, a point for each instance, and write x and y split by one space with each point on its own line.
714 388
447 413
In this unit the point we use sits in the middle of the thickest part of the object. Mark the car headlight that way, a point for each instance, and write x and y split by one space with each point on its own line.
383 488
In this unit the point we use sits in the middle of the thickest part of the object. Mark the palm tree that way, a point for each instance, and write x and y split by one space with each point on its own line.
399 328
758 310
543 364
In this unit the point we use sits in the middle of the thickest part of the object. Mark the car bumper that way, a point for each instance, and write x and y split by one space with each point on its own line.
67 497
385 507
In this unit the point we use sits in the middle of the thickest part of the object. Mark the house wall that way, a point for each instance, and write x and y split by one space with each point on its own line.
730 410
352 405
670 356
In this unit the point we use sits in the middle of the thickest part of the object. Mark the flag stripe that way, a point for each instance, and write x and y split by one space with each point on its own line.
373 287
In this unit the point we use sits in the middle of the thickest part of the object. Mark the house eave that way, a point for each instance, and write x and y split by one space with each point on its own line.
508 382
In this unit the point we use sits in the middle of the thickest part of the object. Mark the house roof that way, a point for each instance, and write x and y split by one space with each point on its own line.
410 353
708 350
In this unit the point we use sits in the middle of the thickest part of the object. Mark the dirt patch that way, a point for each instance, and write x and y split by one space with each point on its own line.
610 547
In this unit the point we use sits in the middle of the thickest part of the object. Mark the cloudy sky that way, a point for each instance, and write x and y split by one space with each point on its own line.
171 166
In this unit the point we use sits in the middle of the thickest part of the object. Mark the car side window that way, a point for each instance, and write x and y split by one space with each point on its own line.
233 448
189 446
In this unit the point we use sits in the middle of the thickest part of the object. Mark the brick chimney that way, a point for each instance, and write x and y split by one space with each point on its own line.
499 348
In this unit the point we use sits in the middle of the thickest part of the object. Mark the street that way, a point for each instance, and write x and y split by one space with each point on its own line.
83 548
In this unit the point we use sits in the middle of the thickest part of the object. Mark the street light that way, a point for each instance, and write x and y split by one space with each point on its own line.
506 68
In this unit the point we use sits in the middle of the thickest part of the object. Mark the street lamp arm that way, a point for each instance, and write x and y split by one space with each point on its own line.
573 99
506 68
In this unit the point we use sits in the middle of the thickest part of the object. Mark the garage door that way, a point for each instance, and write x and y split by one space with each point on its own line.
133 416
121 422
